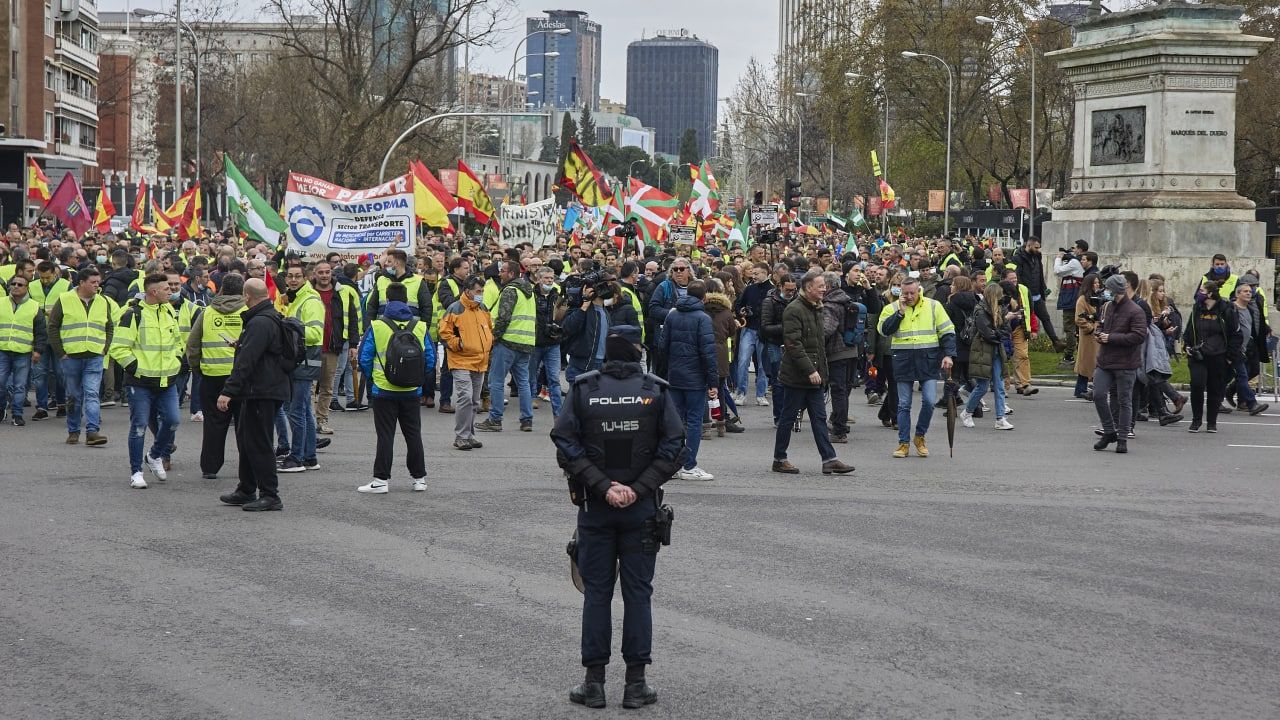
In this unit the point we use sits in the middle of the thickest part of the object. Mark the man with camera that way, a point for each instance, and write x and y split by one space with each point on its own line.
586 323
625 419
546 349
1069 269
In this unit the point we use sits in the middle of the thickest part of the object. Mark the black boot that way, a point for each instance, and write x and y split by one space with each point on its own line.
1122 445
1105 440
591 692
637 693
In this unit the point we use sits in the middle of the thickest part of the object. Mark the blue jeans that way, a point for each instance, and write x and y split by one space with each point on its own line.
141 401
751 346
692 406
343 385
14 370
928 398
772 363
981 385
501 361
302 423
814 401
45 373
282 428
579 366
84 380
548 357
1244 394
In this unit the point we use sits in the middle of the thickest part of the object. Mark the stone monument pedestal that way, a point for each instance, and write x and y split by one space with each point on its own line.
1153 177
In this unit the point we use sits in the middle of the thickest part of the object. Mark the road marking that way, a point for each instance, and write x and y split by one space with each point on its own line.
1268 447
1260 424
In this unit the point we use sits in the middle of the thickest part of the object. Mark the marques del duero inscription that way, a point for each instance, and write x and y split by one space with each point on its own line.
1119 136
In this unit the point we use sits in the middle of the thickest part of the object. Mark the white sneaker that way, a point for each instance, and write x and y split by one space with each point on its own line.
157 466
696 473
1002 424
762 402
1008 410
966 419
197 416
420 485
137 481
377 487
739 398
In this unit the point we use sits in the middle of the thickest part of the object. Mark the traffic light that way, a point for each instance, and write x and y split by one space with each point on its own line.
792 194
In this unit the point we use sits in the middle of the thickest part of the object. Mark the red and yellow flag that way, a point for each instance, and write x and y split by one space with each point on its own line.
37 183
137 222
582 177
162 222
473 197
103 211
432 203
184 214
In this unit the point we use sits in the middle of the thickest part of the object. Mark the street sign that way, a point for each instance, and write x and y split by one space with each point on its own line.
764 216
683 234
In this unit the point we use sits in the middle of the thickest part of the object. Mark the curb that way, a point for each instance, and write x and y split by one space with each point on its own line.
1050 382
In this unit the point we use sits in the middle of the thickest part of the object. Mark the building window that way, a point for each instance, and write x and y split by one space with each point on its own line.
48 19
50 78
48 127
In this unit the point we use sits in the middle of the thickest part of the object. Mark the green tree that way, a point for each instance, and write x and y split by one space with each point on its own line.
550 149
689 153
586 128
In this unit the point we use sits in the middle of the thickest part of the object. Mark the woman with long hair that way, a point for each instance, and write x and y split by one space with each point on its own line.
1212 338
1087 320
959 306
987 357
1167 322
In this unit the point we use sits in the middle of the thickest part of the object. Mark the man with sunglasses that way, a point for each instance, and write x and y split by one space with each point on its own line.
663 300
22 330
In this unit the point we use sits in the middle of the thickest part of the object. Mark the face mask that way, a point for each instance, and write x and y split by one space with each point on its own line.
1106 295
174 297
608 302
896 292
548 288
1221 271
102 259
478 298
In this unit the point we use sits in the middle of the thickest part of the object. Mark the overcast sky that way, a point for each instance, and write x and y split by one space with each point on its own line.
739 28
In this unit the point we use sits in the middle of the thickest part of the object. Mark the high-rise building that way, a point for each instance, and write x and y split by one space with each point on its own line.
671 86
49 90
805 27
573 78
493 92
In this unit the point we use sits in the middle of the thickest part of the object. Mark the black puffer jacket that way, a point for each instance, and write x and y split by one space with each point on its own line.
258 372
117 282
771 316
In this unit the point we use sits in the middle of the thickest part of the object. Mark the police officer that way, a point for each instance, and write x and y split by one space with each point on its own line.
211 352
618 438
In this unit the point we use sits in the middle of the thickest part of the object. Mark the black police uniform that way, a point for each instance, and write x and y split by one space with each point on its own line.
620 425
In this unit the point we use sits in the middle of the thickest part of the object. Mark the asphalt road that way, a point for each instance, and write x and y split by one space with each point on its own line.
1028 577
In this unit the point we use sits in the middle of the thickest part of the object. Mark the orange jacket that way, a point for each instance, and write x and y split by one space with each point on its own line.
466 329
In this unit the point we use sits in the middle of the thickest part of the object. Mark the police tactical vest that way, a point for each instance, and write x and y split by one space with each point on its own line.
621 418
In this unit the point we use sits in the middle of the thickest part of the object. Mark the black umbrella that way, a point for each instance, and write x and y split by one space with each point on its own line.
950 391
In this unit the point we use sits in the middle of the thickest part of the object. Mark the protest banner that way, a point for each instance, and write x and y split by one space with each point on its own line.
683 234
534 223
325 218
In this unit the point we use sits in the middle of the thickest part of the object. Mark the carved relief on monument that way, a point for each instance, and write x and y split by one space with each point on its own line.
1119 136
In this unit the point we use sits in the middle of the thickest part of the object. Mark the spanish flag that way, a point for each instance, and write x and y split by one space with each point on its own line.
103 211
162 221
185 214
37 183
581 177
137 222
431 202
473 198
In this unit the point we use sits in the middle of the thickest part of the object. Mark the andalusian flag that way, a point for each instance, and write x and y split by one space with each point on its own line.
254 216
582 178
652 209
103 211
473 198
37 183
432 203
705 197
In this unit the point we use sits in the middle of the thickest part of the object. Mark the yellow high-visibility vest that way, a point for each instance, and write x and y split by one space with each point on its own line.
216 353
84 330
18 325
382 331
922 325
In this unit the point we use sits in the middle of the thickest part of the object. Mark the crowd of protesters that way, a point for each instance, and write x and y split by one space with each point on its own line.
94 322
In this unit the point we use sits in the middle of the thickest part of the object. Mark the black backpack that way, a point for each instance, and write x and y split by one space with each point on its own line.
404 362
294 340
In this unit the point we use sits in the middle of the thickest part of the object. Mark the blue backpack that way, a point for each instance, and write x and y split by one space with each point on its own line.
854 333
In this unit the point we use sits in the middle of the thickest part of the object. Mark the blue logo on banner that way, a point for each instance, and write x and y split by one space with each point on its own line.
306 224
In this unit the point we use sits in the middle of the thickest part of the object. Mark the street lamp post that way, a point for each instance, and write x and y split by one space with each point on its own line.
946 205
633 164
382 169
195 44
516 58
1031 50
800 136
